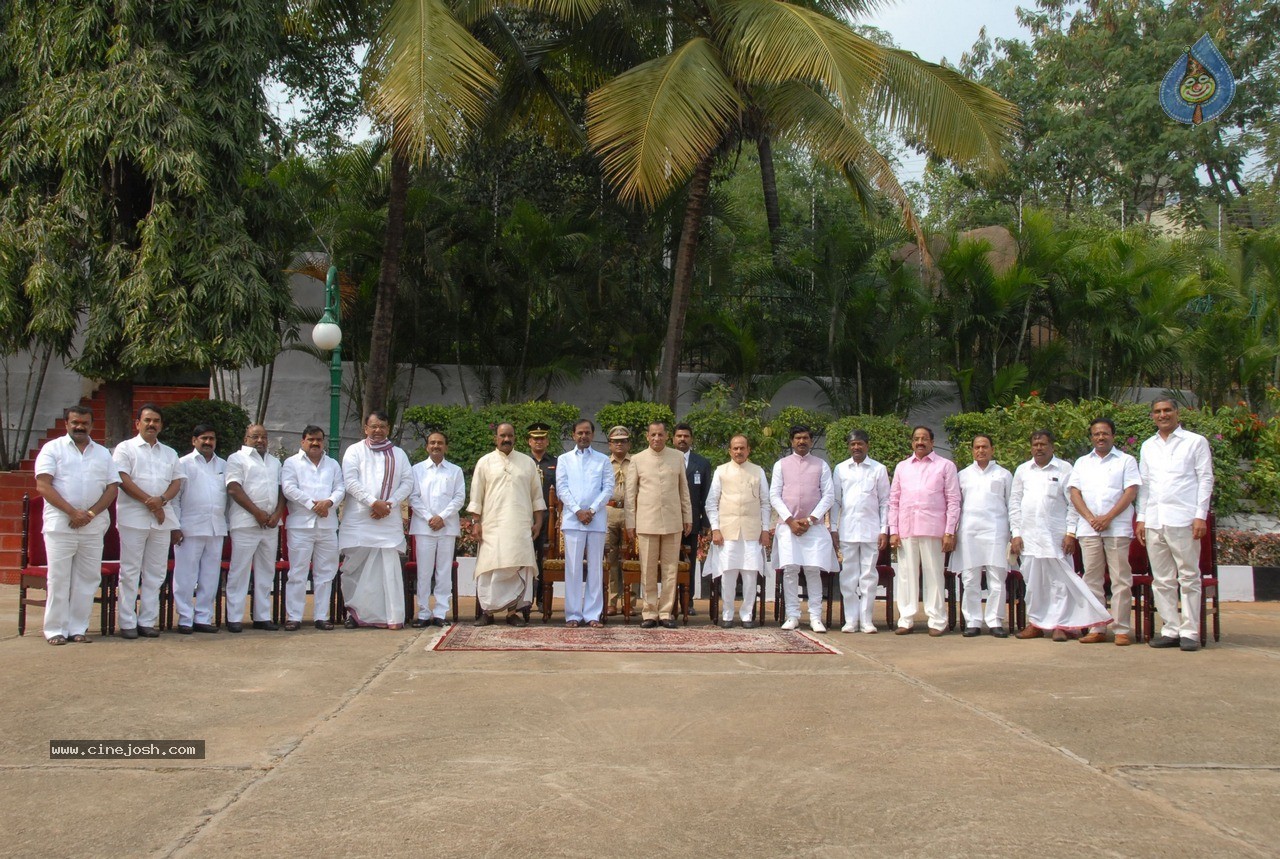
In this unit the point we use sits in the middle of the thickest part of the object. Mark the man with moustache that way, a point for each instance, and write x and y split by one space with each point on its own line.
658 514
983 539
738 510
197 550
1106 480
78 481
860 520
313 488
506 497
924 509
145 517
378 479
615 536
439 491
539 439
253 485
802 493
584 485
697 471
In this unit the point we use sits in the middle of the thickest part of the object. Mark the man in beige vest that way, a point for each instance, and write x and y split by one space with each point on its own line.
739 511
659 511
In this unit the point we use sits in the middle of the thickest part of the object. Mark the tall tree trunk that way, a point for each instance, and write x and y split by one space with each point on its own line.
769 184
378 368
118 401
682 287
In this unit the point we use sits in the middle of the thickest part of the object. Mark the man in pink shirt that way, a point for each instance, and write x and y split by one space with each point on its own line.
924 509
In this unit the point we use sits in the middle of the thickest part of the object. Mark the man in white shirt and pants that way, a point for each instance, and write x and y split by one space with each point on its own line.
982 539
1173 517
584 485
145 516
1104 484
197 550
312 484
860 516
439 491
253 484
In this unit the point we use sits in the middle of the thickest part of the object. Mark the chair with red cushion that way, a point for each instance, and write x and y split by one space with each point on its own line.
1144 609
33 571
1209 582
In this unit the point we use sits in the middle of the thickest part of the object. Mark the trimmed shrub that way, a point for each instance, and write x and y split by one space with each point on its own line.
227 418
636 417
890 439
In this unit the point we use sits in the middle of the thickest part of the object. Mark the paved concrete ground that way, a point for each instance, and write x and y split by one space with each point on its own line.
368 743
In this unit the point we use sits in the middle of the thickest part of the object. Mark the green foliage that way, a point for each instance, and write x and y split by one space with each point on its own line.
890 439
471 431
227 418
715 419
781 424
636 417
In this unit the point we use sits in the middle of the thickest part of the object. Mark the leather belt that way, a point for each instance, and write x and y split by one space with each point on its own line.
614 504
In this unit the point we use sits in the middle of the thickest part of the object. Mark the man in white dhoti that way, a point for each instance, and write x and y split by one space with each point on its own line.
439 491
738 510
584 485
506 497
78 481
197 549
860 520
1039 519
801 493
313 488
1104 484
253 485
378 479
145 518
982 541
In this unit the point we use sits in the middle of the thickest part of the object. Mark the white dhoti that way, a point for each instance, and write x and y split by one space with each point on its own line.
1059 599
506 588
372 587
859 581
734 560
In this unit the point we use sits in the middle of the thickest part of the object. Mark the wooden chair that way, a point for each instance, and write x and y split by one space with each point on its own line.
758 613
1209 582
830 584
553 562
33 573
1015 595
631 577
1144 608
409 572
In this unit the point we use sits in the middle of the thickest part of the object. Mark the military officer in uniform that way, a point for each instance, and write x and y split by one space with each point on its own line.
539 439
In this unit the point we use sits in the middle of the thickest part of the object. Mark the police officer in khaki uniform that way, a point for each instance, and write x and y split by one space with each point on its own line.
619 458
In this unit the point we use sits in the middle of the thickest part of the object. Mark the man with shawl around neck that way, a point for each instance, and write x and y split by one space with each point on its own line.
506 496
378 478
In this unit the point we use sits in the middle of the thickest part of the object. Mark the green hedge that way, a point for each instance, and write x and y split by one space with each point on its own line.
227 418
471 431
636 417
890 439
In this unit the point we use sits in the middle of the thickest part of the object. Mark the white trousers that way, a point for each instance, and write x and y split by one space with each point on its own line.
971 605
729 590
791 590
1175 566
75 571
920 558
580 604
253 550
144 561
435 557
313 550
1110 553
859 581
197 566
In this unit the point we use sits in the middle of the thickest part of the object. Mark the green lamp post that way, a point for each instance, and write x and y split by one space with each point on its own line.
327 335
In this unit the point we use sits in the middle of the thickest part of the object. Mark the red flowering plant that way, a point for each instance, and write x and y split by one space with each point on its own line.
1235 547
1266 550
467 545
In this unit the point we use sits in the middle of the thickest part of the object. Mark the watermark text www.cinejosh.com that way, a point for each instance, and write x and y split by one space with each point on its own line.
116 750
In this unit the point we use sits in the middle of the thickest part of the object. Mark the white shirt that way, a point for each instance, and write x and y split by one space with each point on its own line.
717 489
861 509
584 481
982 537
259 476
1177 479
80 478
438 490
152 467
305 483
202 502
363 471
1101 481
1039 512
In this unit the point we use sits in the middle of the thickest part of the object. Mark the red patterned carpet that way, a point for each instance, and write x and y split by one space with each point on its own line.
617 638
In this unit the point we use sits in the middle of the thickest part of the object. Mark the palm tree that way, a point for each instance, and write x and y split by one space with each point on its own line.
760 69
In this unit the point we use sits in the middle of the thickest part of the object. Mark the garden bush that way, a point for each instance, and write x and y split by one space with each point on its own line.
636 417
227 418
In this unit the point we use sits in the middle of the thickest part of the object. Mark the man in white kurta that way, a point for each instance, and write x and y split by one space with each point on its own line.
1104 484
801 493
1039 519
257 504
738 509
146 518
197 550
78 481
313 488
1173 517
584 485
378 479
982 539
439 491
506 496
860 516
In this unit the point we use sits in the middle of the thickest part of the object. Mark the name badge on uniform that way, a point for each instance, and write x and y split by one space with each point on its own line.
697 478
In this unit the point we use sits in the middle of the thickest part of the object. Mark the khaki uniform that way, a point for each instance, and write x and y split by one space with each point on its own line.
615 539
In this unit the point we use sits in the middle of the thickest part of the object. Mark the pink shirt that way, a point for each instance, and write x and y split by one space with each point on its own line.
924 500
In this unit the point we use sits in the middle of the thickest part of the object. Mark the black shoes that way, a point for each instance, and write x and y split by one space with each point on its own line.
648 624
421 623
203 627
669 623
972 631
1165 641
268 625
148 632
235 627
999 632
437 621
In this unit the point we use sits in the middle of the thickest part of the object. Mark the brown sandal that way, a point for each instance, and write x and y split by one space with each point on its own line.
81 639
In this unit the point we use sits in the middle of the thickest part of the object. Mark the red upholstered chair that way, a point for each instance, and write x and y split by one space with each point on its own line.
884 566
410 570
33 571
1015 594
1144 608
1209 582
281 572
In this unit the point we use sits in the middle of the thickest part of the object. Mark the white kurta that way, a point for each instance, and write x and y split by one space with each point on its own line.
506 490
372 586
743 553
813 548
982 538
